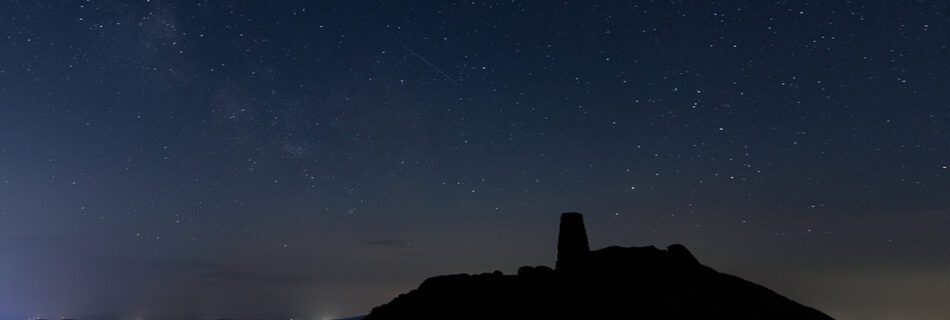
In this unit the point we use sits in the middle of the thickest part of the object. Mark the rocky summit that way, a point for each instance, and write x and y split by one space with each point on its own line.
610 283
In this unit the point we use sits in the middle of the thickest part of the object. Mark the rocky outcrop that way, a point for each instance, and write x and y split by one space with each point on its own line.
610 283
678 251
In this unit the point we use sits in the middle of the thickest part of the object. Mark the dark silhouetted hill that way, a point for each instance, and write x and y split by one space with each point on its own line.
610 283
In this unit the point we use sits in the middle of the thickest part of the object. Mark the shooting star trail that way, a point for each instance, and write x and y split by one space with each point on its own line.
430 64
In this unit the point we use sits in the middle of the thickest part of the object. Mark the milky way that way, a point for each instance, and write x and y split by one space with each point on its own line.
294 159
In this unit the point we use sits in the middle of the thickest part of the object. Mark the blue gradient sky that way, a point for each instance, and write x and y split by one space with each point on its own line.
293 158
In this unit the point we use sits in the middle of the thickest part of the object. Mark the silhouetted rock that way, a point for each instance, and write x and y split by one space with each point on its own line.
680 252
610 283
572 246
539 271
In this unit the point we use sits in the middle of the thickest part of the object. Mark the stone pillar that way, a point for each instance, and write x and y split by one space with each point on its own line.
572 247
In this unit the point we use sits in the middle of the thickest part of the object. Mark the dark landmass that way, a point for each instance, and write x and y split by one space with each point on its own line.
610 283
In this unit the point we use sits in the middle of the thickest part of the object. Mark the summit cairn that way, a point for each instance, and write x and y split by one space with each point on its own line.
612 283
572 247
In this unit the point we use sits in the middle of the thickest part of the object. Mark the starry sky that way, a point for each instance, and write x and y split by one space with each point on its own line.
177 159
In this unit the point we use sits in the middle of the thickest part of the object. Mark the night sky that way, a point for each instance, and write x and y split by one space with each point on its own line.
175 159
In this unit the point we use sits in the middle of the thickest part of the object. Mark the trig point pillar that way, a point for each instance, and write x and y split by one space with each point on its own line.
572 247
